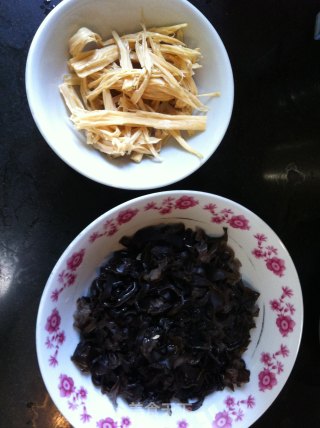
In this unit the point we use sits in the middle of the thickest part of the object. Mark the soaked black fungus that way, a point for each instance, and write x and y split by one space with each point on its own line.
168 318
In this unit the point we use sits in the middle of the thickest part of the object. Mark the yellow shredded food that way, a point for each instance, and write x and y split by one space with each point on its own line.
131 93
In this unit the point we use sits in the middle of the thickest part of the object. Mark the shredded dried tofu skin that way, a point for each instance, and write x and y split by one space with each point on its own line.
131 93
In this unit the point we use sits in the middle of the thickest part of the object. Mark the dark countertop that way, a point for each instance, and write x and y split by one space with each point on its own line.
269 161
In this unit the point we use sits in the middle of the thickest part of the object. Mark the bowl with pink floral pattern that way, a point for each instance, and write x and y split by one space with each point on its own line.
265 265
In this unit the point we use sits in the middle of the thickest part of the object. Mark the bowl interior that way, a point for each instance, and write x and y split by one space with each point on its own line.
47 63
274 342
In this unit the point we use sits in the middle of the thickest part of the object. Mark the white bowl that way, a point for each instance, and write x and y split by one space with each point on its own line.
266 266
47 64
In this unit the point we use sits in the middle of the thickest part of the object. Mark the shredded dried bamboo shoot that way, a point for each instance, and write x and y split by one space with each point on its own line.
81 39
104 118
131 93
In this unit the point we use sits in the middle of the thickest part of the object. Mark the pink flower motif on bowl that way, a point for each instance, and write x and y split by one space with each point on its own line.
112 225
186 202
287 292
250 402
260 237
217 219
239 222
284 351
285 324
125 422
234 411
167 205
76 397
239 415
222 420
67 277
56 337
182 424
61 337
275 305
267 380
53 321
276 265
211 208
227 216
75 260
268 254
83 393
285 312
107 423
257 253
127 215
93 237
66 386
85 417
150 206
265 358
165 210
229 401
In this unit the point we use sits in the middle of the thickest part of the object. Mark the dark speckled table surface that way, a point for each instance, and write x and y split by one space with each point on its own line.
269 161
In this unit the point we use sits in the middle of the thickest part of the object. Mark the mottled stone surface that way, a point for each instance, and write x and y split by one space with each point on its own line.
269 161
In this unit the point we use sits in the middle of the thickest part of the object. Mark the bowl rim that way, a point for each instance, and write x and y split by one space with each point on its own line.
31 58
